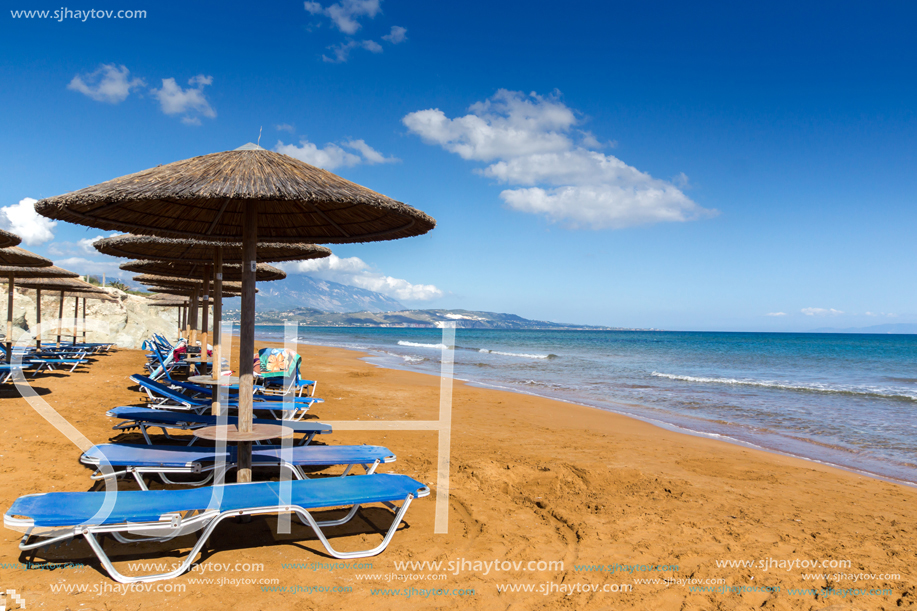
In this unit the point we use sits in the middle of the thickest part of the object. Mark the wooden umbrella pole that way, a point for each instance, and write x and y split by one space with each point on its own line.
9 319
76 317
247 338
205 310
60 318
193 315
38 318
217 326
178 323
84 320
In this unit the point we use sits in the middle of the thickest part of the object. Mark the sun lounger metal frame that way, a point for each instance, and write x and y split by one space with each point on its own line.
161 395
170 525
203 462
144 418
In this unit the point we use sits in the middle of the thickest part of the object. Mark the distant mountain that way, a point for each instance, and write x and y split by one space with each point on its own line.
901 328
303 291
465 319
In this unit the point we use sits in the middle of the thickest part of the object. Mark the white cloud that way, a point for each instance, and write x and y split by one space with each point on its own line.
397 35
84 266
776 314
370 155
507 125
820 311
532 143
110 83
332 156
191 101
86 244
342 51
886 314
22 220
606 206
345 14
79 248
354 271
285 127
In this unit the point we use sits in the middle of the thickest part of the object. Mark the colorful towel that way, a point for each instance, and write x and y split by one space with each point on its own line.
279 362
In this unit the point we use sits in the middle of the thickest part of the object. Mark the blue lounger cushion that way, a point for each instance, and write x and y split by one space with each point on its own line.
163 416
62 509
181 456
179 397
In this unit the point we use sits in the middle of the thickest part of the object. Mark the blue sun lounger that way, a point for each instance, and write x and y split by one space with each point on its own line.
8 371
161 515
140 460
144 417
172 398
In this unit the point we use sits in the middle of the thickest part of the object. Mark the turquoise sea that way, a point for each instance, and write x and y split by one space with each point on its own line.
848 400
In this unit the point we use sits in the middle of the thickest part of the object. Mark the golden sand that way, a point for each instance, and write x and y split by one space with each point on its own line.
536 484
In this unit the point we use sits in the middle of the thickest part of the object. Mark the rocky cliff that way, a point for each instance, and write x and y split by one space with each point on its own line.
127 321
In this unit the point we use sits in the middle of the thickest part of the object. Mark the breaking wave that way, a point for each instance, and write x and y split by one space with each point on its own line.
865 391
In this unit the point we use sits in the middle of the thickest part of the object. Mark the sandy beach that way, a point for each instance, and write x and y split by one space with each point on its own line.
583 508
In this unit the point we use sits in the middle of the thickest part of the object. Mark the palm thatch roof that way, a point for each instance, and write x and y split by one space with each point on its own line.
61 284
181 281
168 303
8 239
185 291
199 251
99 296
205 197
21 257
175 269
34 272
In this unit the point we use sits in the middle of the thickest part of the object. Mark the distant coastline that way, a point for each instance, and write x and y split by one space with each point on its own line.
414 319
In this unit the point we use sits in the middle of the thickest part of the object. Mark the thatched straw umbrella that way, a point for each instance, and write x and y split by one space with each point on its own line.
21 257
194 287
13 256
11 272
246 195
185 292
184 305
69 287
8 239
195 301
206 253
169 301
201 251
265 273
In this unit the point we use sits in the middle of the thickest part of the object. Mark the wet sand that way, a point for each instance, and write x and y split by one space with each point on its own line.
532 481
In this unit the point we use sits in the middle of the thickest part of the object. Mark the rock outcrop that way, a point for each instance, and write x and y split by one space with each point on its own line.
127 321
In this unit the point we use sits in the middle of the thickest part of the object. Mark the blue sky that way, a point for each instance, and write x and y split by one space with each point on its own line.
703 166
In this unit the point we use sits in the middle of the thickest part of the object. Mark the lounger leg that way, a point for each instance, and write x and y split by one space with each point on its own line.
307 439
103 557
139 478
362 554
24 544
206 480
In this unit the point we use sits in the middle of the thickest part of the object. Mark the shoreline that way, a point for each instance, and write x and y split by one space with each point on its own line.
669 426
